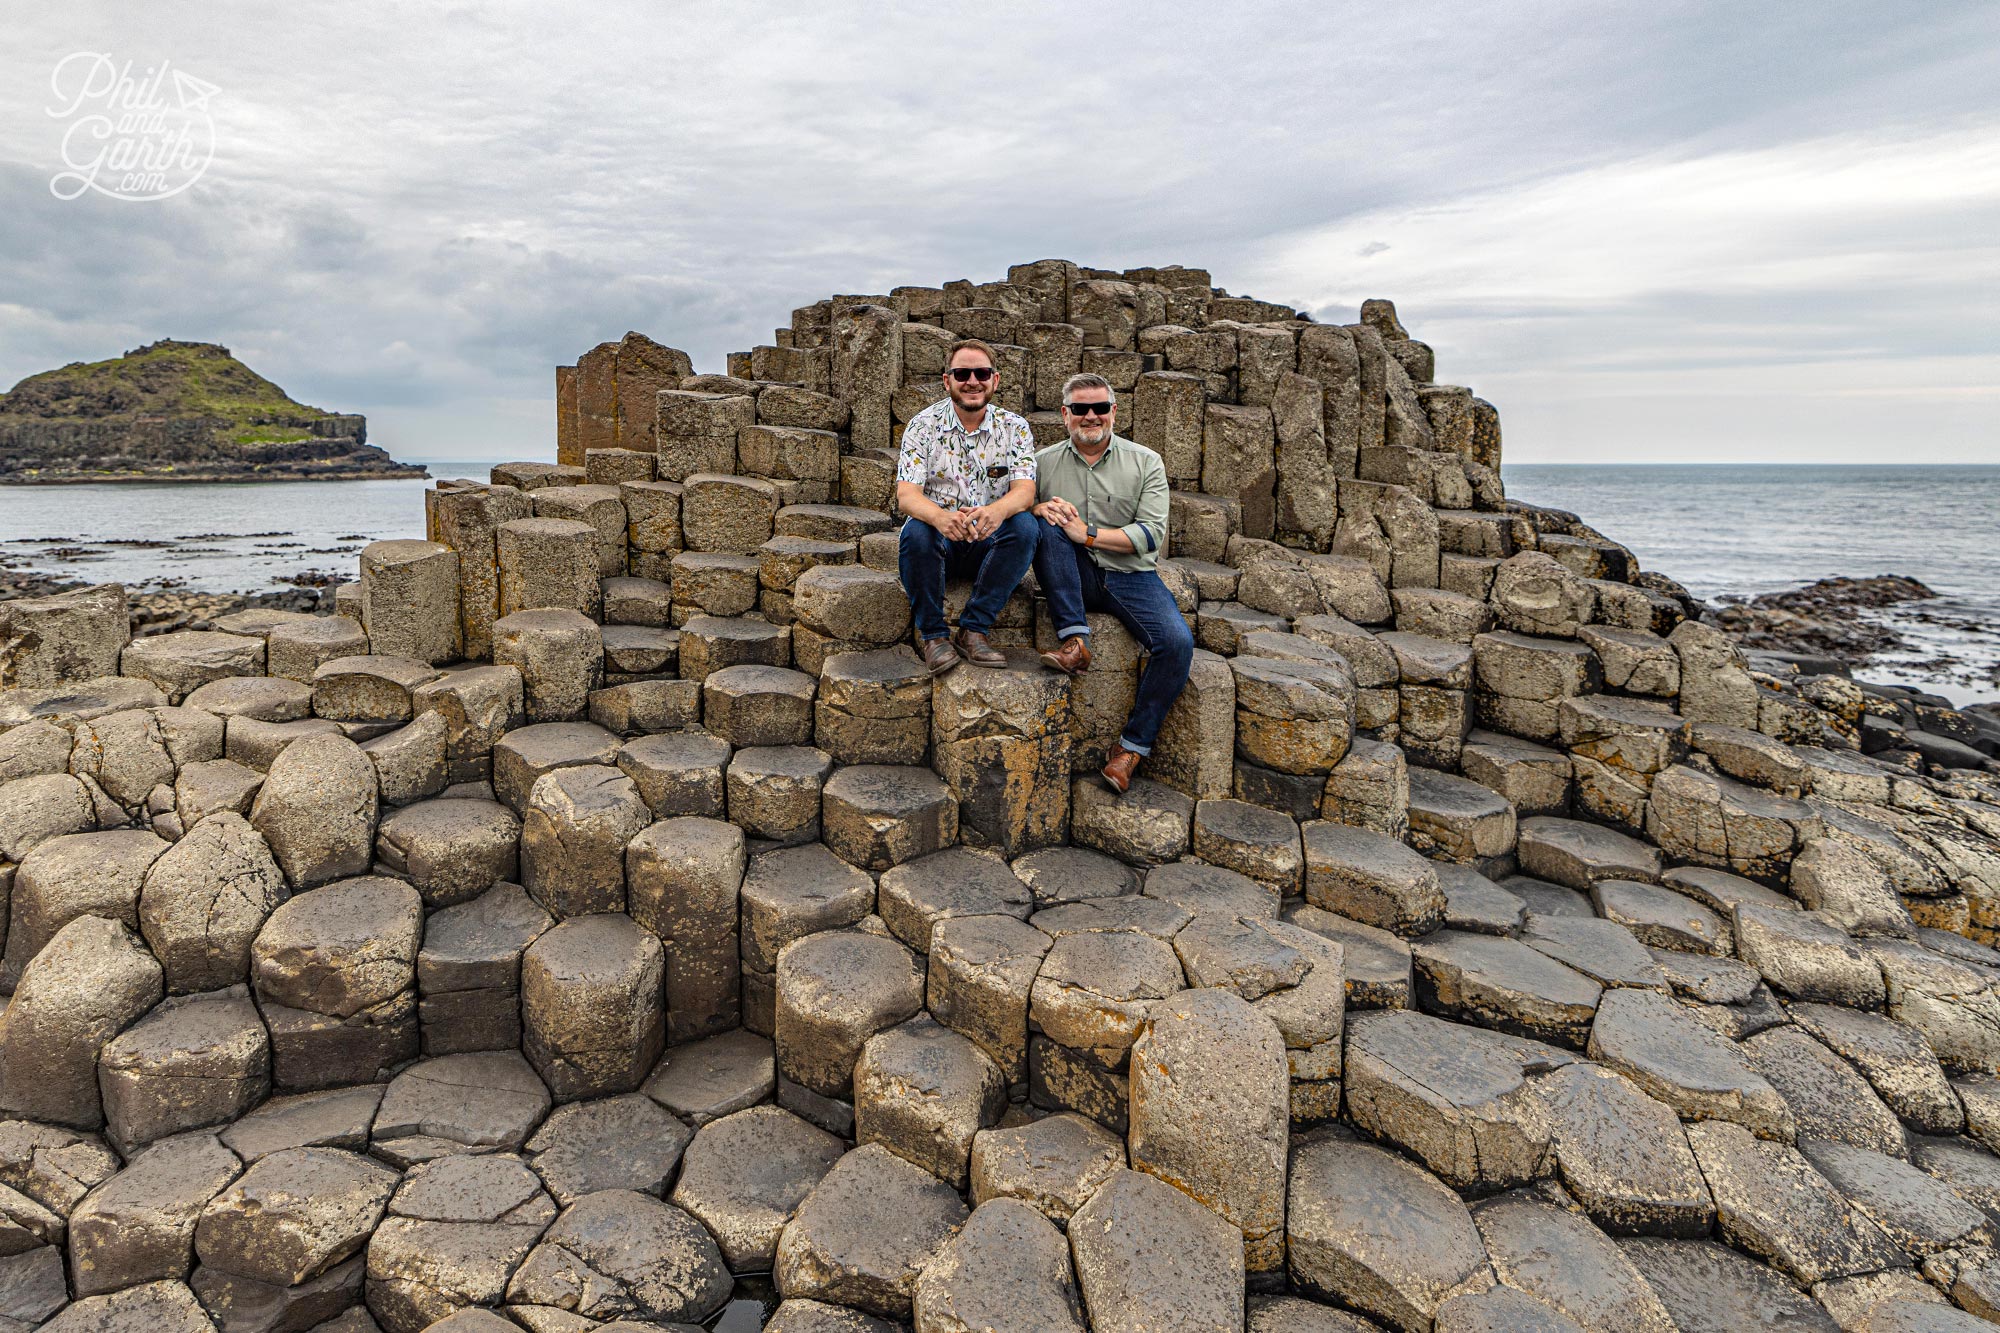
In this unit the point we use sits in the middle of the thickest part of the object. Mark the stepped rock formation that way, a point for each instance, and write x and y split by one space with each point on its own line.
177 411
605 905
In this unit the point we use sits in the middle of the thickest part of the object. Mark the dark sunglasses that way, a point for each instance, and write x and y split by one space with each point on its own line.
1088 409
964 373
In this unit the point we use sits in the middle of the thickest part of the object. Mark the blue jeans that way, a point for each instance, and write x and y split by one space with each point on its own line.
1073 583
995 564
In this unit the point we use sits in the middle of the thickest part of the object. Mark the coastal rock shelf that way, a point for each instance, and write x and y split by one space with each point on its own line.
603 913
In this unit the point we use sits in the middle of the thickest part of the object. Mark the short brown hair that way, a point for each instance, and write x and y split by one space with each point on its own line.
979 345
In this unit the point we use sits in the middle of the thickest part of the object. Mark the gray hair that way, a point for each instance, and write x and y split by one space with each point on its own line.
1087 381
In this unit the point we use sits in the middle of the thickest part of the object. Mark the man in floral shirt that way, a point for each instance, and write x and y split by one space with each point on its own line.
966 479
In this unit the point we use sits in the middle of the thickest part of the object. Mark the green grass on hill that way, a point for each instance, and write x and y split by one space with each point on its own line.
167 378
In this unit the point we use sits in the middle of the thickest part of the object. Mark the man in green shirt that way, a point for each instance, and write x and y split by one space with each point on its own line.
1103 505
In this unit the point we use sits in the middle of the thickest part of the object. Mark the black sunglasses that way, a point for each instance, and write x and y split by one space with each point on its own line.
1088 409
964 373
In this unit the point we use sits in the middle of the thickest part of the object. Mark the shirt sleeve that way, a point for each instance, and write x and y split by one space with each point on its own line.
1021 452
1148 528
913 463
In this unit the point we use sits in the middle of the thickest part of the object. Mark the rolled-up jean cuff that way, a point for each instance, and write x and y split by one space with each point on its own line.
1141 750
1073 632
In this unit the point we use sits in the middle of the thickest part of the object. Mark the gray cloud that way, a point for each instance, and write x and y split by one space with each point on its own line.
415 212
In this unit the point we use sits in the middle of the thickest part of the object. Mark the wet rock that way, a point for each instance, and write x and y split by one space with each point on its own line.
1894 1058
93 980
1554 1254
1148 1257
139 1226
1008 1266
1376 1233
745 1175
293 1215
1623 1155
866 1232
317 810
1771 1202
1671 1056
1710 1288
1828 1098
618 1254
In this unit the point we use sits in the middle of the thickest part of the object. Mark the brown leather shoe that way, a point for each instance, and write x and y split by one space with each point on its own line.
1072 659
972 645
1119 768
939 656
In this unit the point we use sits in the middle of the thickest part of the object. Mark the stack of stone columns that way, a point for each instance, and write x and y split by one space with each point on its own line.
603 905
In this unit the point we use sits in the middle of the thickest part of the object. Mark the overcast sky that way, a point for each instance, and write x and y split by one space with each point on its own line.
1701 232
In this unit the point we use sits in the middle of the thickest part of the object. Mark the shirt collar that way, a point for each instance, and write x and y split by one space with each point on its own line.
1077 454
952 422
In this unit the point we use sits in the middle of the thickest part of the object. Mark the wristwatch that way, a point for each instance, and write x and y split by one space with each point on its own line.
1090 534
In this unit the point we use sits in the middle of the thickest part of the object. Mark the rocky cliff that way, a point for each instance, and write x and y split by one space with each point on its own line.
177 411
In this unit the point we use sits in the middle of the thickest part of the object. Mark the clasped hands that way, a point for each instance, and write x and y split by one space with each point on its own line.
1061 514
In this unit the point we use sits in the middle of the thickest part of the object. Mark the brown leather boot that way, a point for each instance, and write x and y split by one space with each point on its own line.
972 645
939 656
1119 767
1072 659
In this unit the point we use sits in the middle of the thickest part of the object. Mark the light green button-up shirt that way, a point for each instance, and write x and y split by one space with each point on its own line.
1127 489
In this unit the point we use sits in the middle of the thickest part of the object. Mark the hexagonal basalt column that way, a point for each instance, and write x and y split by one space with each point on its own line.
879 815
1001 742
835 991
591 1005
573 839
560 654
409 600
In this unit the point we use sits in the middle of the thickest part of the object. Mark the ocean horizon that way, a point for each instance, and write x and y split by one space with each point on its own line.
1722 530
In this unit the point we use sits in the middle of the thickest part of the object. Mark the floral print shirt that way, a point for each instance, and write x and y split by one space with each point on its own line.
961 469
